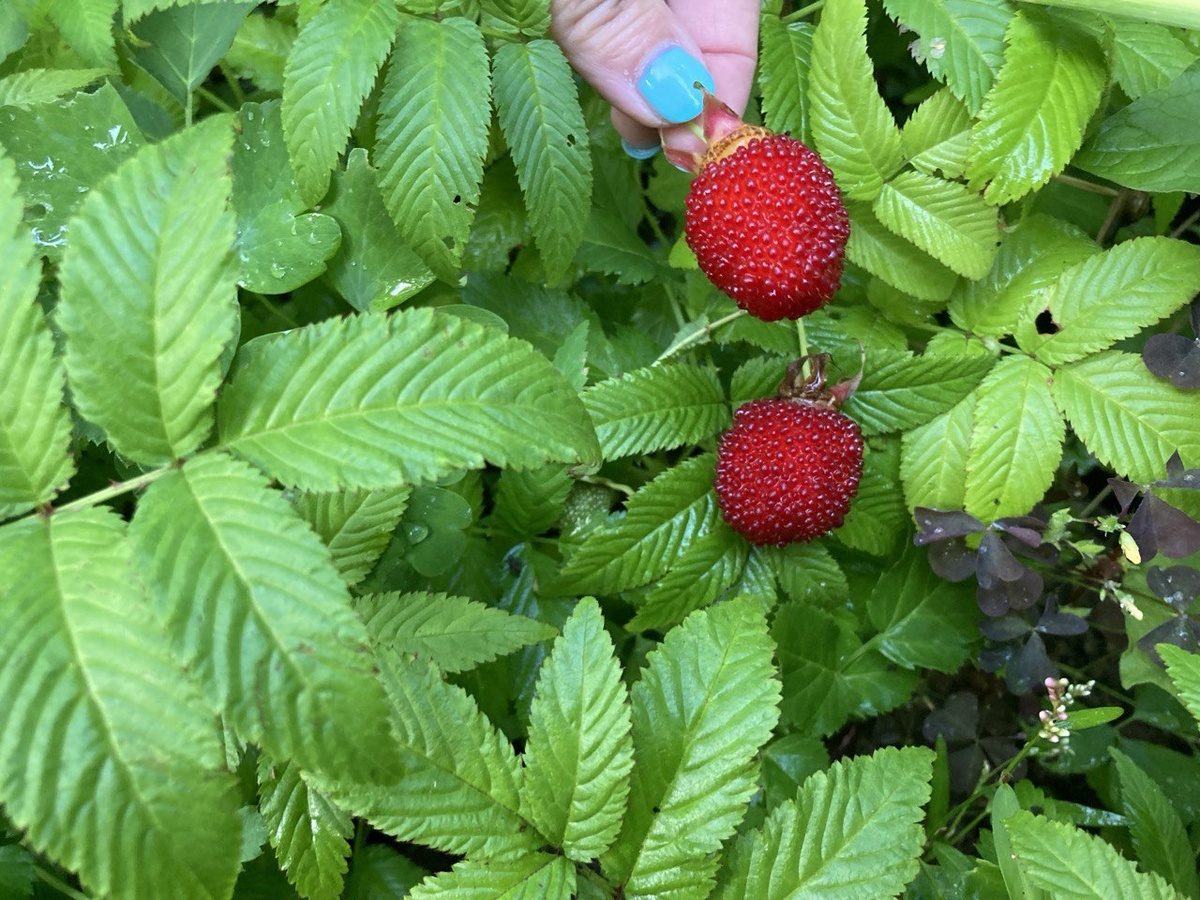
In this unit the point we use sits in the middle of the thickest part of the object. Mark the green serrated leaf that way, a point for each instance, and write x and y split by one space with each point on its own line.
1158 834
313 406
807 573
35 428
614 248
877 516
1073 865
656 408
458 791
307 829
660 521
533 876
513 18
937 136
706 568
373 269
539 112
62 151
961 42
382 873
923 620
1108 297
828 675
100 718
1033 119
330 70
1032 256
1147 57
1184 670
579 752
705 704
933 459
900 391
783 72
136 9
1130 420
149 298
88 26
890 257
180 45
356 526
433 134
1016 440
853 129
531 501
456 633
1150 144
34 86
853 831
946 220
271 637
260 49
278 249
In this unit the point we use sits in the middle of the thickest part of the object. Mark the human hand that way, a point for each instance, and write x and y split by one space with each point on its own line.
644 57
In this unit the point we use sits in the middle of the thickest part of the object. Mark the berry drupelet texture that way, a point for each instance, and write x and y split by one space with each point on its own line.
768 226
787 470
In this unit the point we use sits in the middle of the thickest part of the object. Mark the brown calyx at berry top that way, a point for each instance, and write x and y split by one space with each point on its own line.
723 132
806 382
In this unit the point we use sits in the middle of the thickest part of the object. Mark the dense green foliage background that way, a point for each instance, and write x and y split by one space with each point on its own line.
357 428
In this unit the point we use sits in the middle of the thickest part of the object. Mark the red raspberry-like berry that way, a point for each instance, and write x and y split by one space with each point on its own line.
767 224
788 469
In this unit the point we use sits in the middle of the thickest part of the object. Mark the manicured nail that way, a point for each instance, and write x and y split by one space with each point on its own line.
669 84
639 152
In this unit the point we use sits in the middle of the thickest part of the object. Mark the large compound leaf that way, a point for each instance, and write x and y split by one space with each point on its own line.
355 525
946 220
1151 144
1108 297
458 791
1073 865
456 633
961 41
329 73
1016 440
534 876
180 45
579 753
853 831
376 402
901 391
307 829
34 426
278 249
705 705
433 133
1033 120
851 125
88 27
783 72
31 87
1147 57
543 126
660 521
656 408
149 295
256 609
1126 417
109 759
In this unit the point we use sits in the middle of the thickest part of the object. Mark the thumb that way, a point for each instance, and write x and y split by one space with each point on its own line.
636 54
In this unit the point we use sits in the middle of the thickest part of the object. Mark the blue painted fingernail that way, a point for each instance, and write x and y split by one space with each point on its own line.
639 152
669 84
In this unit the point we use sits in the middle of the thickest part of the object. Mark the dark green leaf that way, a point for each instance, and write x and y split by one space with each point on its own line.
180 45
